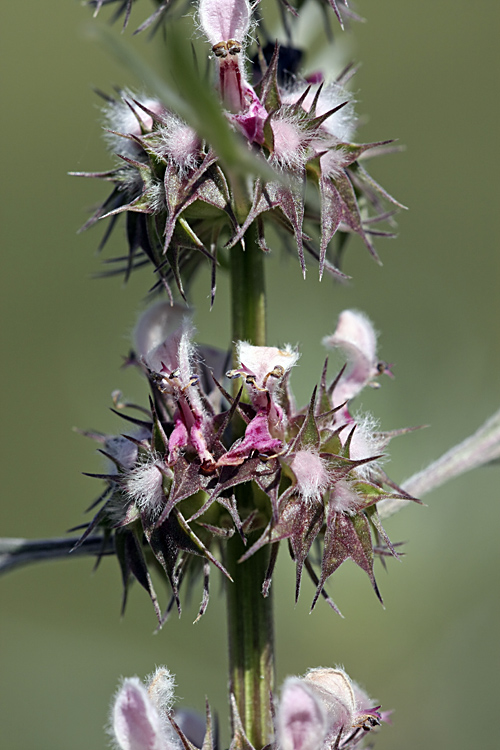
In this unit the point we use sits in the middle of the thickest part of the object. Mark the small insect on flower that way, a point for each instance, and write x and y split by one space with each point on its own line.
223 49
366 722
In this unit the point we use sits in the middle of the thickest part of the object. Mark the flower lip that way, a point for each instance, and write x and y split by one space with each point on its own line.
140 714
356 336
224 21
156 325
261 366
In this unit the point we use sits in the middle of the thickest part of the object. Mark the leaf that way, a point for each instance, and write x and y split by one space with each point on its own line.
350 210
131 557
346 537
331 215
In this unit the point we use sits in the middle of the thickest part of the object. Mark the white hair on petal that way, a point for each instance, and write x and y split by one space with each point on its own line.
177 142
156 197
311 473
161 688
124 117
366 442
290 142
144 485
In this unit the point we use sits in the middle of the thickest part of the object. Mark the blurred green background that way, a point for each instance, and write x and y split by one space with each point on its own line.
429 76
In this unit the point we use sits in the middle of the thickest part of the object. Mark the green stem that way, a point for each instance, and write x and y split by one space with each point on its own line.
250 616
250 630
248 297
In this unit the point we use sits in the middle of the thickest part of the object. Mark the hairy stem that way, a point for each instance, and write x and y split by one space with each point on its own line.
250 616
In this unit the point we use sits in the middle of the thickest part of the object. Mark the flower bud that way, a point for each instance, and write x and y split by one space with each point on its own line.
333 687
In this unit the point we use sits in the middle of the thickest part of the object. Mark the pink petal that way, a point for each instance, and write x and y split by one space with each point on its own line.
135 721
355 335
257 438
199 442
178 439
222 20
251 121
157 334
262 360
301 720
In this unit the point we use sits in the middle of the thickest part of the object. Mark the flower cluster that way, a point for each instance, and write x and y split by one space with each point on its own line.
315 472
323 709
179 203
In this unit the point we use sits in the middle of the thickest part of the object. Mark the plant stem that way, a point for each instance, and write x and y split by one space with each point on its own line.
250 632
248 297
250 615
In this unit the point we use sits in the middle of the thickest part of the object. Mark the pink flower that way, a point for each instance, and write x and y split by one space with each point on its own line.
301 720
224 20
334 689
158 333
139 715
263 368
164 340
324 709
356 336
